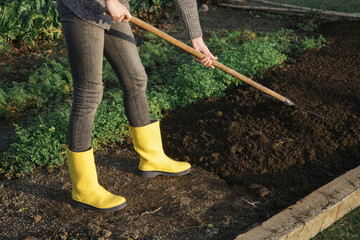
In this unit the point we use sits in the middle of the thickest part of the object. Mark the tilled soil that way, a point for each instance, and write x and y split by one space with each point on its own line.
251 157
246 138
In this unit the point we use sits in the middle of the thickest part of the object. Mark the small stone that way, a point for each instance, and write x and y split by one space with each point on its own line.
225 174
37 218
219 114
107 233
263 192
260 190
203 8
215 155
233 149
29 238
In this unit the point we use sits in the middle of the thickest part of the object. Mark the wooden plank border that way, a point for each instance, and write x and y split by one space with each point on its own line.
312 214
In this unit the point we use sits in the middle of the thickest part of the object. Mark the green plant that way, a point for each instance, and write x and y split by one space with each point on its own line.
175 79
27 21
110 120
2 96
150 5
160 59
310 22
311 43
47 86
40 144
151 10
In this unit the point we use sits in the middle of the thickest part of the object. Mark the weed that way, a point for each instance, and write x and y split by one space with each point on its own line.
228 220
310 22
311 43
273 16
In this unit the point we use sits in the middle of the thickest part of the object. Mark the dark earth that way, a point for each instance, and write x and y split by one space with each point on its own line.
252 157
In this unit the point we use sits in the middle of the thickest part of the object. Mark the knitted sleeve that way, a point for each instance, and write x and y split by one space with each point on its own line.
189 14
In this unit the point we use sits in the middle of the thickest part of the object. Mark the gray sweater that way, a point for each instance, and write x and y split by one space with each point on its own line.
93 11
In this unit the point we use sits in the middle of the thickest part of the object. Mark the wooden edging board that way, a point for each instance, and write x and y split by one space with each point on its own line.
312 214
288 10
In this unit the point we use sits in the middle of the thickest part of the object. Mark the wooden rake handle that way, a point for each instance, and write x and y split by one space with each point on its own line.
217 64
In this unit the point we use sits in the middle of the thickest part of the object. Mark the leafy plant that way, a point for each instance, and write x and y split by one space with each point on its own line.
46 87
150 5
151 10
310 22
311 43
160 60
40 144
175 79
110 120
28 21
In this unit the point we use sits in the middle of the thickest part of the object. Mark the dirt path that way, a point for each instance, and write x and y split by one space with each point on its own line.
251 158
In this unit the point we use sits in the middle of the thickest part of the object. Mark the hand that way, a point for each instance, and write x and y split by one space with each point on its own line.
117 11
199 45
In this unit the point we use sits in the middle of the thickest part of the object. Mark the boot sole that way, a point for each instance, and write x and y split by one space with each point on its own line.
151 174
87 206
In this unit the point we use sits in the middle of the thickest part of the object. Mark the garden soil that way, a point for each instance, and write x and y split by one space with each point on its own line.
252 157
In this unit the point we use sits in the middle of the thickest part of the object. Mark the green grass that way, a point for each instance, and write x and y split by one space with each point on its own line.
347 228
350 6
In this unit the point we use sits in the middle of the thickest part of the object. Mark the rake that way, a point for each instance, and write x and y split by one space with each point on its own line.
269 93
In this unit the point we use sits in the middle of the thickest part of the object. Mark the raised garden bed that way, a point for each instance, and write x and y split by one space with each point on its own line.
251 158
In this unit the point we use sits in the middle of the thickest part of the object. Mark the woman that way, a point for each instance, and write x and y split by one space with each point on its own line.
92 29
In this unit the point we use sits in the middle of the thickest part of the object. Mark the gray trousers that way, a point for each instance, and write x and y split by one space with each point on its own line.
87 44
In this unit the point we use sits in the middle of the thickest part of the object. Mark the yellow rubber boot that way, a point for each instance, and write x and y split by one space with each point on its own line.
86 190
153 161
